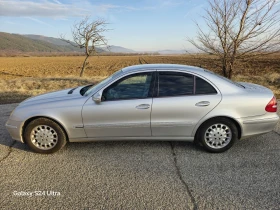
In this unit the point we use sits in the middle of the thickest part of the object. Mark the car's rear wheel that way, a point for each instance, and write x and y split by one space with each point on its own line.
217 135
44 136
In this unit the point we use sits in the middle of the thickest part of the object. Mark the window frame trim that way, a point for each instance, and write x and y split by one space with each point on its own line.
194 75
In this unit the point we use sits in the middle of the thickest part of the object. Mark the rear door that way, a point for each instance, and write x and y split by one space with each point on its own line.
180 101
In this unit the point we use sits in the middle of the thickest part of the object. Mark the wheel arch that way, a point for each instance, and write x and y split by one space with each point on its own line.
26 122
237 124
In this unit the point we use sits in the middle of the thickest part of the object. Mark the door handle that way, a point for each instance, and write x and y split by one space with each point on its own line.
143 106
203 103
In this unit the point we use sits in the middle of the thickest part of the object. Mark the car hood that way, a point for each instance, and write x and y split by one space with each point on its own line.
61 95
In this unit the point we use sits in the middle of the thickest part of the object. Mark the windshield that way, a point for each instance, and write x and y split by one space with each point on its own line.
103 82
224 78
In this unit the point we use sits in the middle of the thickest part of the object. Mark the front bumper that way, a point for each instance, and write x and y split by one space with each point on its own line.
256 126
14 129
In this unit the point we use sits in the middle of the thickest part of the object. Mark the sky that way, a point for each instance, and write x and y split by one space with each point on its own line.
134 24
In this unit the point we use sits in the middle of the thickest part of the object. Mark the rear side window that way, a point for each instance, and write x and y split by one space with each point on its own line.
203 87
175 84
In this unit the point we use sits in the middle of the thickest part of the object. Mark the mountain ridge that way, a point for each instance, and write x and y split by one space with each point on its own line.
20 43
39 43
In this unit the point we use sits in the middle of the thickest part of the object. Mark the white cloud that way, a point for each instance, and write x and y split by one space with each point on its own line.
38 21
54 8
197 9
56 1
9 22
15 8
58 10
172 3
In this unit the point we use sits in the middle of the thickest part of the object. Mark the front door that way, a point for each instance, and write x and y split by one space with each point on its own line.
125 108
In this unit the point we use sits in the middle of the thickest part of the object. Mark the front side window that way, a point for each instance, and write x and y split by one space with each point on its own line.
100 84
134 86
175 84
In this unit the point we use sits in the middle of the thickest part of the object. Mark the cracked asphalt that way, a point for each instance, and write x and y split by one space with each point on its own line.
140 175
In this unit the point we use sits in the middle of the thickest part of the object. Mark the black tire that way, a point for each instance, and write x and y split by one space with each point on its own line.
59 138
225 126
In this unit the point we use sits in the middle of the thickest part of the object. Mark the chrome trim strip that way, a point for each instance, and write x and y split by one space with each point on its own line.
114 125
268 120
172 124
11 126
78 126
133 125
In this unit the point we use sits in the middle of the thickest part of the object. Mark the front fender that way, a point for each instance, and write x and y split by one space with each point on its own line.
68 116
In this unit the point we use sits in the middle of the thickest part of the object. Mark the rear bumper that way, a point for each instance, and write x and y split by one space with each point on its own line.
14 129
256 126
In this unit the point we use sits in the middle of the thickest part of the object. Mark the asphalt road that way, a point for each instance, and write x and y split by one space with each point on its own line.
140 175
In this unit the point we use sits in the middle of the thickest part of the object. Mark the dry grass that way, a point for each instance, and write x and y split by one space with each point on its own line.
21 77
62 66
14 90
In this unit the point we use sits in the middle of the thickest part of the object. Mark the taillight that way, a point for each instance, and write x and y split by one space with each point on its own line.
272 105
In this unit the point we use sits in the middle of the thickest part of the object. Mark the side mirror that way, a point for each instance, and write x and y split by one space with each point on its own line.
97 97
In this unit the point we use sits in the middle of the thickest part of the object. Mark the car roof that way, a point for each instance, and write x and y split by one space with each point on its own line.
162 67
221 84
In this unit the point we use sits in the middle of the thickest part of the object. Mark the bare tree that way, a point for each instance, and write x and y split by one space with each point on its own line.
88 35
239 29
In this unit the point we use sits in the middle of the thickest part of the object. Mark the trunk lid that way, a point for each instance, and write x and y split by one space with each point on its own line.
250 87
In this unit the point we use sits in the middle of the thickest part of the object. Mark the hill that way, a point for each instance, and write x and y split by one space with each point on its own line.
51 40
117 49
38 43
171 52
21 43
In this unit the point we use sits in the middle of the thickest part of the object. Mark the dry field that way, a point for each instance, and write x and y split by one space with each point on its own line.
21 77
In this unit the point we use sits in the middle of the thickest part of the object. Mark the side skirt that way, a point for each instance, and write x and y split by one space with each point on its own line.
150 138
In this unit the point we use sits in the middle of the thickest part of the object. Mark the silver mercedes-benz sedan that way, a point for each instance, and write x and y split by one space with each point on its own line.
147 102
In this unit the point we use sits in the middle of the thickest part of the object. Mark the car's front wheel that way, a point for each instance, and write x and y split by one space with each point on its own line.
44 136
217 135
